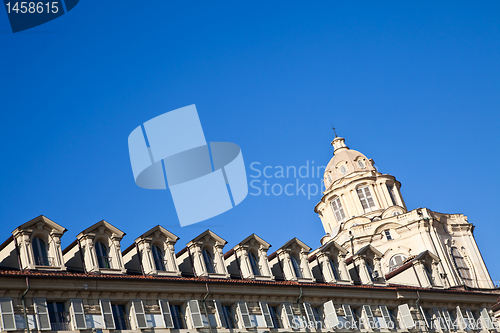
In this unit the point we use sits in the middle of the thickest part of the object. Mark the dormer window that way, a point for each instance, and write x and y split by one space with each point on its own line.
158 258
296 266
209 261
361 164
343 170
248 259
103 259
152 253
366 198
329 178
254 264
40 252
338 211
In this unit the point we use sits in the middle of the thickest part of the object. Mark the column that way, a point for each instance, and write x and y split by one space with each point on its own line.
345 276
304 263
264 263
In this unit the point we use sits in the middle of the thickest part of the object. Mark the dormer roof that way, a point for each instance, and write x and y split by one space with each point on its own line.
257 239
210 234
160 230
38 219
368 248
102 224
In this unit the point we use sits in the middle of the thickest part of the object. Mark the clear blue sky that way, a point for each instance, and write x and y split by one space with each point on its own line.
415 86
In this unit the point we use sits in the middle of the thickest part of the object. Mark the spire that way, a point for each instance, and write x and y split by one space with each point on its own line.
334 131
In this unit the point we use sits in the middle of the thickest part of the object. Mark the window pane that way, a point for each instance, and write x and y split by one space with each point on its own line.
296 267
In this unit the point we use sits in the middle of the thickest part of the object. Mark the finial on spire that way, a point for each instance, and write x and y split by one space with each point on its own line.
334 131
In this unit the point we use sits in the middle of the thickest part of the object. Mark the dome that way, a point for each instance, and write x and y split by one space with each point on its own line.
345 162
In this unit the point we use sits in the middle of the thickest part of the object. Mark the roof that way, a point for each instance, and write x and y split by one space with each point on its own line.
74 275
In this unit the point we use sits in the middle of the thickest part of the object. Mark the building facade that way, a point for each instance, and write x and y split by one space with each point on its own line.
380 268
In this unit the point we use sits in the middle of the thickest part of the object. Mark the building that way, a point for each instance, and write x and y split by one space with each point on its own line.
380 268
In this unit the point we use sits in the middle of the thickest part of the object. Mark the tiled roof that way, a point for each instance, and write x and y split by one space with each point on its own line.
49 274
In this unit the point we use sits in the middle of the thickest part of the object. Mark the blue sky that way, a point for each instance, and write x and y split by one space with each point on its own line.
415 86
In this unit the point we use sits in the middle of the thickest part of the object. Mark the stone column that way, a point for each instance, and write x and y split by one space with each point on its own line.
364 276
170 257
218 257
436 274
264 263
304 264
327 270
344 275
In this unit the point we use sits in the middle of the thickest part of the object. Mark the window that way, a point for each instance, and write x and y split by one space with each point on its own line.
254 263
335 269
366 198
276 319
371 272
461 266
244 315
357 315
296 266
167 316
331 319
227 313
388 234
177 316
428 272
390 189
329 179
343 170
40 253
102 255
7 314
317 314
361 164
338 211
120 316
396 261
59 318
427 317
209 261
158 258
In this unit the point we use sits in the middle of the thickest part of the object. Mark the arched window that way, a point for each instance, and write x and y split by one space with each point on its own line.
158 258
396 261
209 261
296 266
461 266
40 252
335 269
254 263
102 255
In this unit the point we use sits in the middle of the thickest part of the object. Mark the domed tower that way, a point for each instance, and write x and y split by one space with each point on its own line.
354 189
